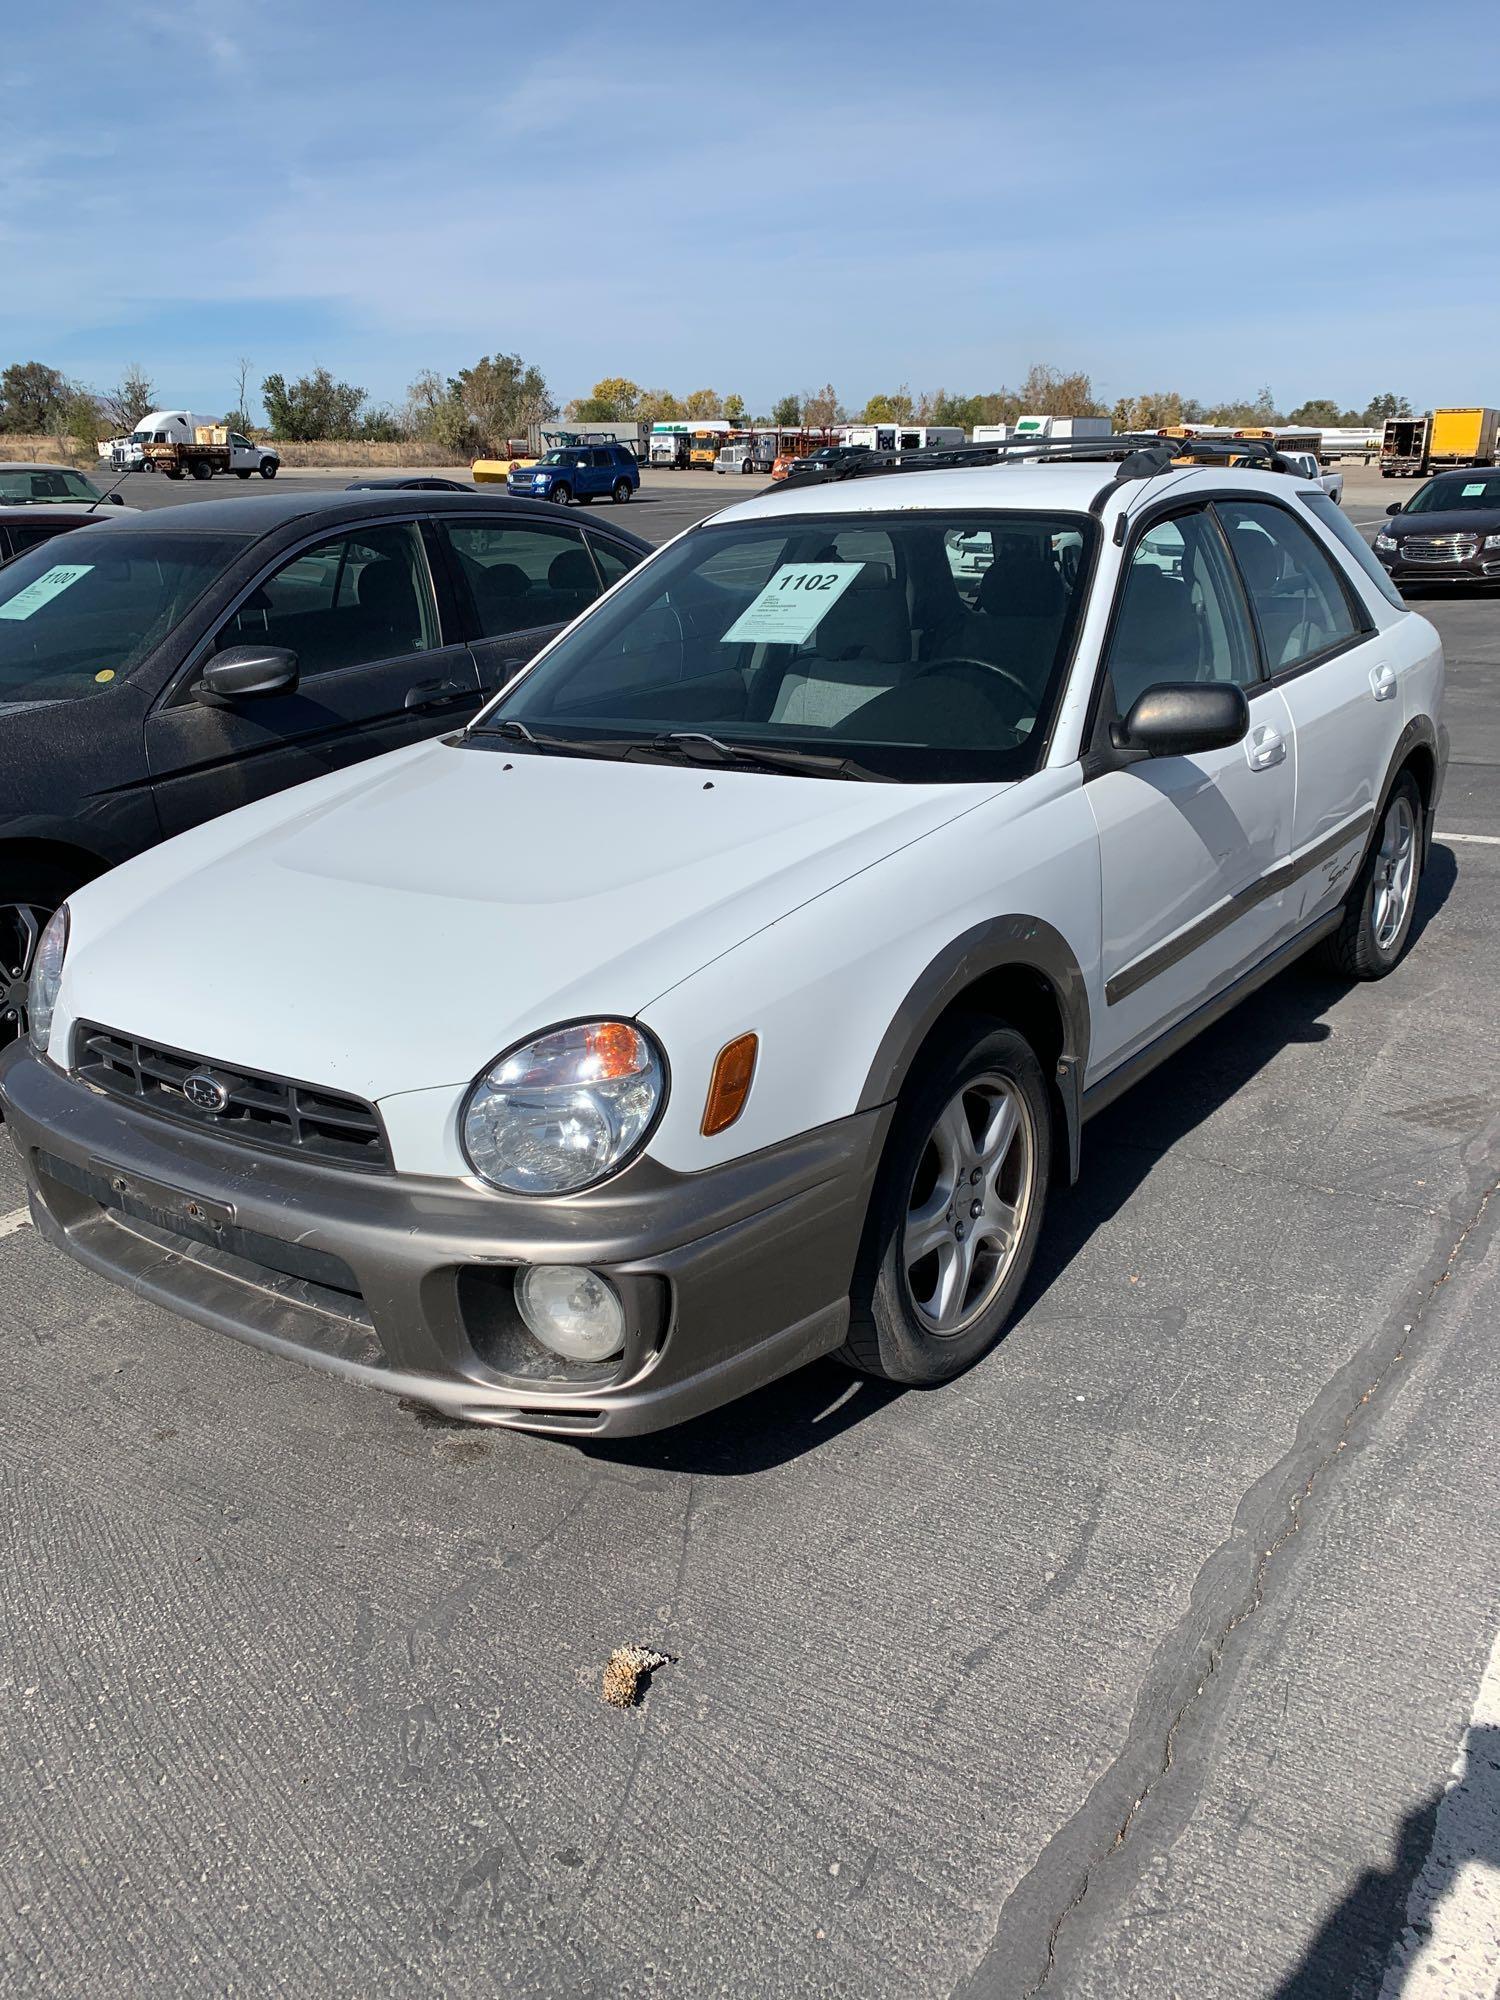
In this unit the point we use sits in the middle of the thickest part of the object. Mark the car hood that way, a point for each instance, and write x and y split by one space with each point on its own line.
1446 521
396 927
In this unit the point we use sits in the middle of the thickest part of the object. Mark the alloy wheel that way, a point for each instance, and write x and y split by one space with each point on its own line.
1395 872
969 1202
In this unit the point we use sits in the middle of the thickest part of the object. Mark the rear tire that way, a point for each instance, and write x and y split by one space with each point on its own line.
957 1208
201 469
621 493
1378 915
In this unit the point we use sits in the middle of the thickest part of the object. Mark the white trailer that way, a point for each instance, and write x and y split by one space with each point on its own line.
901 437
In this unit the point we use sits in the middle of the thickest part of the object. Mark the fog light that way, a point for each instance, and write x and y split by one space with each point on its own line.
574 1312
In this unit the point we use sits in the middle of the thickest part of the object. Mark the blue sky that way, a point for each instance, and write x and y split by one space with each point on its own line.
757 198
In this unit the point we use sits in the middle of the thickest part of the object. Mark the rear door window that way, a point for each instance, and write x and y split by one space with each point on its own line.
521 577
1300 604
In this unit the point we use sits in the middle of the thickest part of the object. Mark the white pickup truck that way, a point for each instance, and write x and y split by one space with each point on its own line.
1308 467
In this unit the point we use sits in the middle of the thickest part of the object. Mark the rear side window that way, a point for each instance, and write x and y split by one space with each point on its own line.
343 603
1333 517
521 577
613 560
1300 603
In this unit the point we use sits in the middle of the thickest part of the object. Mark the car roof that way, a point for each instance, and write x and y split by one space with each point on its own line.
1026 486
257 514
37 465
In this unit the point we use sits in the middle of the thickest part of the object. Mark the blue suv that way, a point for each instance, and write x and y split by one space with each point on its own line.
578 472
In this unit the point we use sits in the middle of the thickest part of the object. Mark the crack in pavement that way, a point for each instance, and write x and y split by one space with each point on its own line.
1334 1433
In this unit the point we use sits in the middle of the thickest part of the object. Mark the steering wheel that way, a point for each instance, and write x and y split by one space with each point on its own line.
967 660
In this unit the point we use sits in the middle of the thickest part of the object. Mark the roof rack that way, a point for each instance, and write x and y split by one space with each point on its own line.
1139 455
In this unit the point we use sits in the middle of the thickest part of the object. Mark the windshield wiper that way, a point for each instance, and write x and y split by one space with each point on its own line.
705 749
577 746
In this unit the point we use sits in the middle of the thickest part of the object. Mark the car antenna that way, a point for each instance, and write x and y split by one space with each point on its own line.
113 489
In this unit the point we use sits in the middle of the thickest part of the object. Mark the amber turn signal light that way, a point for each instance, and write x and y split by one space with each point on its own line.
734 1070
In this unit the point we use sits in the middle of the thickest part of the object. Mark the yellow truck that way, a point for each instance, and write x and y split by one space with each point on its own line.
1464 437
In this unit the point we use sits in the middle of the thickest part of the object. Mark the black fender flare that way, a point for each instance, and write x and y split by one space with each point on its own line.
1420 733
1025 942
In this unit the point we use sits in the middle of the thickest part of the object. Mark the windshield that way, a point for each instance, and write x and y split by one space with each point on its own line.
926 647
77 614
1457 492
45 482
560 458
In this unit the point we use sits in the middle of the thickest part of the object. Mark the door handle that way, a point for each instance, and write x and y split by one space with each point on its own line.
1382 683
432 694
1265 746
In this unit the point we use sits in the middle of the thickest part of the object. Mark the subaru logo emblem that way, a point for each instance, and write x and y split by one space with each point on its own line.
205 1091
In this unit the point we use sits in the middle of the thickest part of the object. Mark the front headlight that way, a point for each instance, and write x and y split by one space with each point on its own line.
1492 541
564 1110
46 977
1386 544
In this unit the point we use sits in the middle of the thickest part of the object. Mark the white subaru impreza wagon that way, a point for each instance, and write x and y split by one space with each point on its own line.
735 987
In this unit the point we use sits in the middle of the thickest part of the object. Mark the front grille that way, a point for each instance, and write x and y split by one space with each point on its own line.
1439 548
275 1111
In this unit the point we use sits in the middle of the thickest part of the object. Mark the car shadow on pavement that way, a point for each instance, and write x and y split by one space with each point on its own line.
809 1408
1369 1944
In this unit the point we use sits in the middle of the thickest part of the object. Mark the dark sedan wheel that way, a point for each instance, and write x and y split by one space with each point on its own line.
27 900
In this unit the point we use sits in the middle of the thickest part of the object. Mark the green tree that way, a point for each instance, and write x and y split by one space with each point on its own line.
1317 410
1152 410
787 411
734 409
314 406
1377 411
503 397
896 408
702 403
657 406
79 418
31 395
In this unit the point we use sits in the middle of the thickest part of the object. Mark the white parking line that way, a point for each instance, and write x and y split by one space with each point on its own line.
1450 1948
1473 839
19 1218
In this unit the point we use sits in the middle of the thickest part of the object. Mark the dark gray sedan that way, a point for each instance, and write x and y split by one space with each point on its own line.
157 669
1448 532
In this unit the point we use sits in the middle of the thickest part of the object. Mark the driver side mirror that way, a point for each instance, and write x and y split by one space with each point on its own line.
1182 719
243 671
1395 507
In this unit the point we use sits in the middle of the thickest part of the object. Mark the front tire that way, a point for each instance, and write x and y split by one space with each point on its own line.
27 899
1383 902
561 495
957 1209
268 468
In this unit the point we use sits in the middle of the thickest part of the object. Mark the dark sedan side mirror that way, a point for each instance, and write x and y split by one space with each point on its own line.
1395 507
1179 720
240 672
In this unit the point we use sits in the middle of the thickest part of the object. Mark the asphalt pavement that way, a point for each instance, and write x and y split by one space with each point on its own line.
1153 1657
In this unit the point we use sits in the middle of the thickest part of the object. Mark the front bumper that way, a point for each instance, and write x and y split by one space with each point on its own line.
729 1277
1481 567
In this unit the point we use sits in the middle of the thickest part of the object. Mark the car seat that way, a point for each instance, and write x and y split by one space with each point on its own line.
860 647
